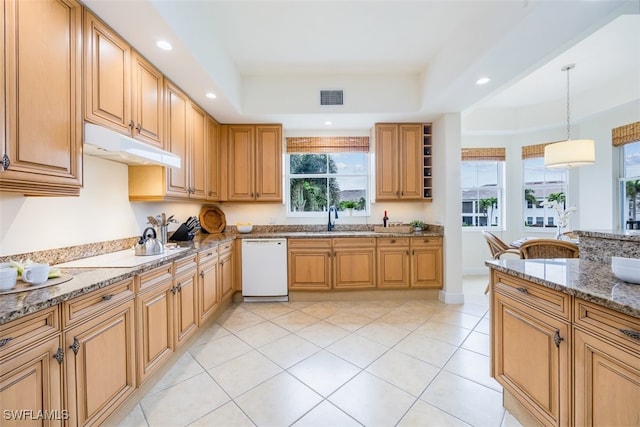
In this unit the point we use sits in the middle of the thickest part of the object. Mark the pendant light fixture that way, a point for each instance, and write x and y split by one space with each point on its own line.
572 152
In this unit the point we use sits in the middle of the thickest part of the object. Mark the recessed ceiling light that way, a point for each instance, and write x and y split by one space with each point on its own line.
211 95
483 80
328 123
164 45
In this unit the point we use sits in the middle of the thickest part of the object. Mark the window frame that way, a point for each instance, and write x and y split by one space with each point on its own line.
500 195
622 206
288 176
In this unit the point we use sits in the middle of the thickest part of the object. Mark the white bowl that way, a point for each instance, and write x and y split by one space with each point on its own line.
628 274
625 262
244 228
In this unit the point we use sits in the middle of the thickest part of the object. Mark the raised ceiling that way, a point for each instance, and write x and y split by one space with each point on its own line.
395 60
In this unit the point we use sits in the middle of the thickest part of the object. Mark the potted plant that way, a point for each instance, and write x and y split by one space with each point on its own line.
417 225
348 205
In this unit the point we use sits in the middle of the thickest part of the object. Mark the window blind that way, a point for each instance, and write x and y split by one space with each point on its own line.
625 134
533 151
328 144
494 153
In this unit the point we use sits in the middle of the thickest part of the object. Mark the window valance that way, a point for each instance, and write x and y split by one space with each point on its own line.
493 153
533 151
328 144
625 134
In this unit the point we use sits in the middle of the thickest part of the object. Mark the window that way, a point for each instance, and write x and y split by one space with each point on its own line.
482 187
317 178
540 185
630 186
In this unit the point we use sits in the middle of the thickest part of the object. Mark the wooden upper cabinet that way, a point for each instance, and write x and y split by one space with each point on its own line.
147 100
40 73
215 184
107 76
254 154
197 152
123 91
399 161
177 109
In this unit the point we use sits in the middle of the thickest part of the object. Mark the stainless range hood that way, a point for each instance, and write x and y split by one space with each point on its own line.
105 143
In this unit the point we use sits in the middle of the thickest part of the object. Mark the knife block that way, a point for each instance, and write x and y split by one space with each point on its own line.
182 234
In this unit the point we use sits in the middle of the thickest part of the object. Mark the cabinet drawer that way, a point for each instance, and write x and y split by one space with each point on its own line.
623 329
207 255
21 333
417 242
348 242
225 247
535 296
86 306
393 241
309 243
155 277
186 264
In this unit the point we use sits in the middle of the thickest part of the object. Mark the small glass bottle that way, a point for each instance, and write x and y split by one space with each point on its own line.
385 219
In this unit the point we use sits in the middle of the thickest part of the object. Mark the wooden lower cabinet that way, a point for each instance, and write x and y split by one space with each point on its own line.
426 262
208 297
309 264
154 320
100 364
226 271
354 263
607 367
31 384
393 262
185 299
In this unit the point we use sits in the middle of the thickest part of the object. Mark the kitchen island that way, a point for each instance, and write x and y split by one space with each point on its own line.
565 341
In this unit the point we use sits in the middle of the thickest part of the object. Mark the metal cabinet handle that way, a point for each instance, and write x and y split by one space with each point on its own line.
59 355
393 240
5 341
174 289
107 297
631 334
75 346
6 161
557 338
131 124
139 127
523 291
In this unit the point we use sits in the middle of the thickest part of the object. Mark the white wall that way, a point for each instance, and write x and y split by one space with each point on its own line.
591 188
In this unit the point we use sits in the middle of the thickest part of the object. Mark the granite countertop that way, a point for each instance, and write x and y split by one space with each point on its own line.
85 280
589 280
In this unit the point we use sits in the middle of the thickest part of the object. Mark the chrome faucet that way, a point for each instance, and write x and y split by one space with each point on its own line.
333 215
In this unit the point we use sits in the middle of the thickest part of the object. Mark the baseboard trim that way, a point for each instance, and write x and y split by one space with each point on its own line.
451 297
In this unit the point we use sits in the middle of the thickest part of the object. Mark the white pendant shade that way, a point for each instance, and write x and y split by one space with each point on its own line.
570 154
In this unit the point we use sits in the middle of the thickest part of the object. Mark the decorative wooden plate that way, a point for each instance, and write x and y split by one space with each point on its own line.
212 219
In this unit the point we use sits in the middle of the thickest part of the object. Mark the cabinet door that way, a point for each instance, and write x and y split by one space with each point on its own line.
43 71
393 263
176 111
608 379
526 338
226 274
426 263
208 299
186 305
387 150
309 264
213 157
107 77
100 365
354 263
198 154
154 328
147 100
410 161
268 163
240 140
32 380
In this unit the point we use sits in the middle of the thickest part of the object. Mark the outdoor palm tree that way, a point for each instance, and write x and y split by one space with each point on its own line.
529 196
557 197
633 191
488 204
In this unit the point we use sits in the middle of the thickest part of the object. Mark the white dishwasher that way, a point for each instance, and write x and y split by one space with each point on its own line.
264 270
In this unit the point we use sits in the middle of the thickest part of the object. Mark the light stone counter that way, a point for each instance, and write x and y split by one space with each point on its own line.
589 280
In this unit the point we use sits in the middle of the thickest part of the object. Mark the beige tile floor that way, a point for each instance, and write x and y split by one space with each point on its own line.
371 363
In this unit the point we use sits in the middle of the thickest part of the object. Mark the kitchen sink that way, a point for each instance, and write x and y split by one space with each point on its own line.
122 259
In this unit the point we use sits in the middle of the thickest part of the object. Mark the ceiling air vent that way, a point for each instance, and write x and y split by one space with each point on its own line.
331 97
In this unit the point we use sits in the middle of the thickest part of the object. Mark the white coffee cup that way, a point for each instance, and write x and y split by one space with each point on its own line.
8 277
35 274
